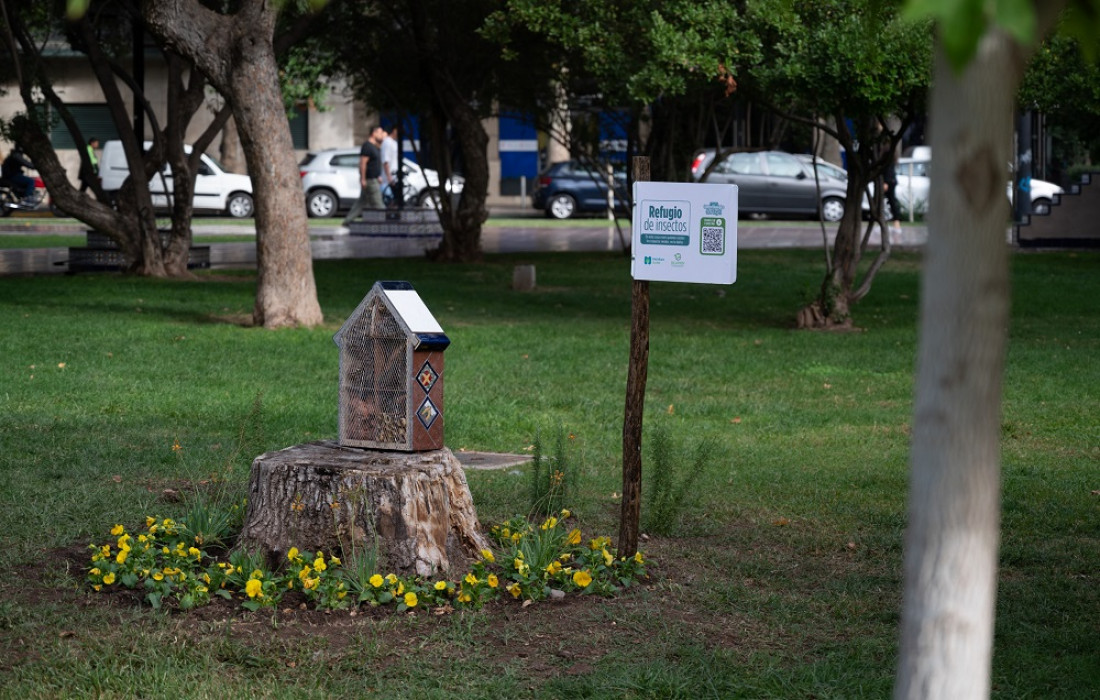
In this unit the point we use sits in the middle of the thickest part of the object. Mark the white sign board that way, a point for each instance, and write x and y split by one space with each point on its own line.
684 232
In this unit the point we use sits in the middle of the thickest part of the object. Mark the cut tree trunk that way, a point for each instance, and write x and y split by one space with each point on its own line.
323 496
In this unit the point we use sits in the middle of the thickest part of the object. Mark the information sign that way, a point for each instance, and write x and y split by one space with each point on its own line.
684 232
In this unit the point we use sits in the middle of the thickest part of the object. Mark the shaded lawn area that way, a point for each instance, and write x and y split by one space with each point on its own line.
781 578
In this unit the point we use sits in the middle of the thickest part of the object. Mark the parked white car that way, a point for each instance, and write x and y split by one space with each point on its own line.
216 189
330 180
912 192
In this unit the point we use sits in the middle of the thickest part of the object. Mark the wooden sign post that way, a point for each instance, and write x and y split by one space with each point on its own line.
637 373
680 232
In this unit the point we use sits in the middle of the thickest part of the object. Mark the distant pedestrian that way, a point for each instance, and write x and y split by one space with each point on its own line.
370 172
890 188
389 166
90 174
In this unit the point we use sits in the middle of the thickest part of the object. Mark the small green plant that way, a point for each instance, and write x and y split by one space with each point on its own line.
211 525
553 479
669 484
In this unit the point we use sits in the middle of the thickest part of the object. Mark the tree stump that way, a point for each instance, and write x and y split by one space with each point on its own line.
324 496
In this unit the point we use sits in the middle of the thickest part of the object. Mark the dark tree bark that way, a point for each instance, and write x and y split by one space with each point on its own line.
450 108
869 152
236 53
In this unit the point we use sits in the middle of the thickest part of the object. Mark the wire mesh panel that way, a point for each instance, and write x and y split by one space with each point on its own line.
374 381
391 372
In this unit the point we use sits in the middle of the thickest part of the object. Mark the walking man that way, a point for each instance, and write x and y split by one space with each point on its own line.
91 174
370 172
389 167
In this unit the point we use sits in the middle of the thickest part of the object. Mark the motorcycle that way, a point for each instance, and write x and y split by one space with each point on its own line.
10 201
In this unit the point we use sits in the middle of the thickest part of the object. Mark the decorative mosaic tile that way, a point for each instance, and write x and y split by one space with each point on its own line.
426 377
427 413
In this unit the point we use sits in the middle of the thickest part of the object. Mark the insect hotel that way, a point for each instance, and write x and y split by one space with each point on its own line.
391 372
407 497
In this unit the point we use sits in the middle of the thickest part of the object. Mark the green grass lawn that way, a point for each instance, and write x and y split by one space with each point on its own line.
780 578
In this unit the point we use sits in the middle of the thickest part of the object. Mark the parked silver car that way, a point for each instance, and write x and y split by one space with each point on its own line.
774 182
330 179
913 185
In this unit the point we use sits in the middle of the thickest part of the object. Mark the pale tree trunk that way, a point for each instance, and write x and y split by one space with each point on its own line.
236 53
954 509
561 129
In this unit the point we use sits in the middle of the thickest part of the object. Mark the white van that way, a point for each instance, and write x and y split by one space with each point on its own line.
215 189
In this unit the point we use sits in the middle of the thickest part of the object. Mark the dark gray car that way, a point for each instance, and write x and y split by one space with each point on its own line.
774 182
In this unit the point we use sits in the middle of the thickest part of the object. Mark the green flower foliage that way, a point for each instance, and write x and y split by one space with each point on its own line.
164 561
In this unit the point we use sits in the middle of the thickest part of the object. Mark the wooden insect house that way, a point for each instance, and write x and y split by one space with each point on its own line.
391 372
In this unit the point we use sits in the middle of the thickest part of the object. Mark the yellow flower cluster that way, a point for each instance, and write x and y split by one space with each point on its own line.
534 560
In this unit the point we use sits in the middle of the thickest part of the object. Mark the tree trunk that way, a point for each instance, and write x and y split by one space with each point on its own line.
843 284
954 510
286 294
236 53
462 224
323 496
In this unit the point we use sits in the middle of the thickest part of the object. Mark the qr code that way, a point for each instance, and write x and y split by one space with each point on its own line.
714 240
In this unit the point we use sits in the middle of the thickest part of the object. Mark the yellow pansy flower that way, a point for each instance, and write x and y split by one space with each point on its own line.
464 597
440 585
582 578
487 556
292 554
492 581
515 589
121 558
117 530
554 567
574 536
550 523
565 513
638 558
391 578
410 599
319 564
471 579
254 588
607 557
377 581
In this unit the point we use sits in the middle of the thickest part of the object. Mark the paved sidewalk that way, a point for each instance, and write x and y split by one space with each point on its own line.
327 243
